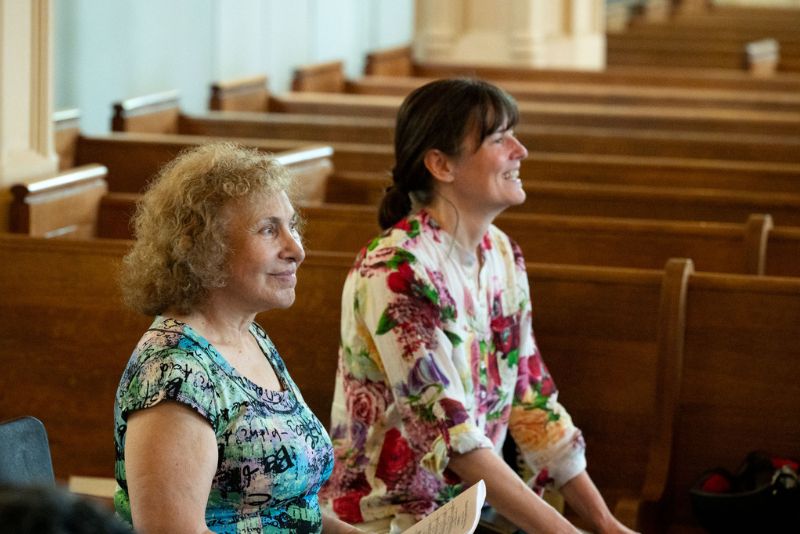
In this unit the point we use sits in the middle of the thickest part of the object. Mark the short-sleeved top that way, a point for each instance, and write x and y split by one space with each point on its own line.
273 452
438 356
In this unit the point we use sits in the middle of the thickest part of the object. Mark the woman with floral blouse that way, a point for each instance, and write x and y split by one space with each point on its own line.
438 360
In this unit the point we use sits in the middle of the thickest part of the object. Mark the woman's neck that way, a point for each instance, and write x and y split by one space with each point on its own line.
467 229
217 325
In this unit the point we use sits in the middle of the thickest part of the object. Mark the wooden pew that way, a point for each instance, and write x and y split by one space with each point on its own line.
64 205
74 386
82 208
597 93
715 247
160 113
67 338
132 159
71 204
672 54
66 131
390 62
609 200
738 391
674 336
717 51
252 95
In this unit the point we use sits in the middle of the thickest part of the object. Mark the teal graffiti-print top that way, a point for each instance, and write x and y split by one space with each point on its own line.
274 454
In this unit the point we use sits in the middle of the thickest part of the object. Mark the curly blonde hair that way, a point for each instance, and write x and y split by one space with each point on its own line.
180 225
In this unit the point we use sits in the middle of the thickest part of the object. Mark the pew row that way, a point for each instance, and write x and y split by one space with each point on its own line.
130 160
584 93
251 94
73 387
607 200
160 113
715 247
681 343
645 49
67 204
398 61
54 208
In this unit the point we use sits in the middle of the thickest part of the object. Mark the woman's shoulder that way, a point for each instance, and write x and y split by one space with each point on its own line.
497 242
170 344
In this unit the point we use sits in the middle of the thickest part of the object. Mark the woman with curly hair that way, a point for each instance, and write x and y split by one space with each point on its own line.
211 433
438 360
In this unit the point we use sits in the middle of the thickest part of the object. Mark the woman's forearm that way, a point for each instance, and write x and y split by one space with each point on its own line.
584 497
507 493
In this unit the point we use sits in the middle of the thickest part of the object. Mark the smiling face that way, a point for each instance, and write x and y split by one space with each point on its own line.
485 178
265 252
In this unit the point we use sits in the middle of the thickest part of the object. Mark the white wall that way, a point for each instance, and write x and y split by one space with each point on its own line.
108 50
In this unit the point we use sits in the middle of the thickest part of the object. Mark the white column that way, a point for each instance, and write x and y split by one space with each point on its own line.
436 27
26 103
528 33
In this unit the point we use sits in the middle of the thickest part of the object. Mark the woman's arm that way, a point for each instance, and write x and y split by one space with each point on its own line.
583 496
170 461
507 493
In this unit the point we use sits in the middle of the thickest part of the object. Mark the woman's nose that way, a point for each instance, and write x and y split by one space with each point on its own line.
293 247
519 152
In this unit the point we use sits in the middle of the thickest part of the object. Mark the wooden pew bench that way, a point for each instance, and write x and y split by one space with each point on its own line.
687 339
595 93
608 200
72 388
251 94
715 247
398 62
644 49
738 391
64 205
54 208
132 159
673 54
160 113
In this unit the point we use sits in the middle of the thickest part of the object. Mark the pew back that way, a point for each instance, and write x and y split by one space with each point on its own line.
133 159
612 137
603 200
62 206
71 302
739 389
716 247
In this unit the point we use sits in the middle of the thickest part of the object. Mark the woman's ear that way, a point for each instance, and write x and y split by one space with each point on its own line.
439 165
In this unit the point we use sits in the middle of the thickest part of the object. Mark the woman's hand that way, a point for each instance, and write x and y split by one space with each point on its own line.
331 523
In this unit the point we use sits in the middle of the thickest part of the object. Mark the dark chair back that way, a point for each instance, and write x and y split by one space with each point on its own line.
25 453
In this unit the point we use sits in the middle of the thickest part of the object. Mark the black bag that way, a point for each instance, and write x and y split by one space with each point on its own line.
762 496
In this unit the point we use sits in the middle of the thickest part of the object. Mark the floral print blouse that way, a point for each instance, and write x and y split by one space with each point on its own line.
274 454
437 356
